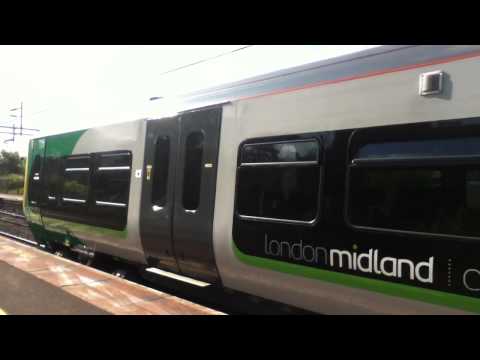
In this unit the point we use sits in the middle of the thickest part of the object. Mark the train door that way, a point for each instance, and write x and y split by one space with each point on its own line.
195 193
35 180
178 193
158 192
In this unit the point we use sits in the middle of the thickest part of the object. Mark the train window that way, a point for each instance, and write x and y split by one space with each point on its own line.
111 188
53 179
192 175
35 187
120 159
76 180
160 171
77 163
279 181
414 186
280 152
35 180
112 180
437 200
463 146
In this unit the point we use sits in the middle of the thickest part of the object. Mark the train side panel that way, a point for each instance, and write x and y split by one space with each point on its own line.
125 242
386 99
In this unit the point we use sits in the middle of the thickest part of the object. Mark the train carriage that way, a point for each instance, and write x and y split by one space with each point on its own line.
350 185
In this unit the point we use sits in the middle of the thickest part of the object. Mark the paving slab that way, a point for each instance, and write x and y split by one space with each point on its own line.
22 293
36 282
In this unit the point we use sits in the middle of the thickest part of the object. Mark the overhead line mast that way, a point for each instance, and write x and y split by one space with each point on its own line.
14 133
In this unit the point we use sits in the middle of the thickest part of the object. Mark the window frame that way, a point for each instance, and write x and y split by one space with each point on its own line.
161 137
35 185
54 201
276 163
87 212
199 197
319 164
96 161
82 203
410 162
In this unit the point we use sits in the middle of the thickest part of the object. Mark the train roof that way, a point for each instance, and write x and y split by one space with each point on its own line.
382 59
103 127
374 61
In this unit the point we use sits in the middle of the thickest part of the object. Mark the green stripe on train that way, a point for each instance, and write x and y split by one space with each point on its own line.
436 297
63 226
63 144
57 145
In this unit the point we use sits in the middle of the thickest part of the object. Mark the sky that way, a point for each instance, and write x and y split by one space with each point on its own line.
71 87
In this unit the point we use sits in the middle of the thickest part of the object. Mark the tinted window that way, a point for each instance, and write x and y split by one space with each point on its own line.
53 179
421 148
111 189
115 160
160 171
193 170
433 200
76 179
285 192
77 163
36 163
278 192
112 186
35 187
280 152
112 179
75 186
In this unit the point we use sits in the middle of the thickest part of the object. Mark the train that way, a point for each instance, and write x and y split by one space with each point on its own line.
345 186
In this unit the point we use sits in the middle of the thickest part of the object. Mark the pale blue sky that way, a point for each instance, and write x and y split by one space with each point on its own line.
65 88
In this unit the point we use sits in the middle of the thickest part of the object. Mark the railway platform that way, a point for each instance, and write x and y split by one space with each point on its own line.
11 197
34 282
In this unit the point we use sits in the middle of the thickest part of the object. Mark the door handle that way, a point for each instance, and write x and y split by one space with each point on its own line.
156 208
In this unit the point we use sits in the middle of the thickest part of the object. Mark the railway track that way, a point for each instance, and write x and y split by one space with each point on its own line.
13 225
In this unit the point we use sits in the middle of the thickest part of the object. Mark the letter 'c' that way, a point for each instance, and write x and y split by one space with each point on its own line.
465 279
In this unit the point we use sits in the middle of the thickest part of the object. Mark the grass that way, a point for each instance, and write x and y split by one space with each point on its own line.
11 184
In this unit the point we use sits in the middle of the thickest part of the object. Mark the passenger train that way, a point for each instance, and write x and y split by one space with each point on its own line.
345 186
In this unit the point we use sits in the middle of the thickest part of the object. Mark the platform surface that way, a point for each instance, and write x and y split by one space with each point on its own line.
23 294
14 197
36 282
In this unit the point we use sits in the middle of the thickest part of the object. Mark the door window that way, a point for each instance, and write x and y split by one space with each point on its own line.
160 171
193 170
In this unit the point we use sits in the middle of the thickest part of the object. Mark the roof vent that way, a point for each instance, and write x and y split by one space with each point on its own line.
431 83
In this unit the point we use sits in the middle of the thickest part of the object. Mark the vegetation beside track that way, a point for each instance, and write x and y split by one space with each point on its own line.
12 170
